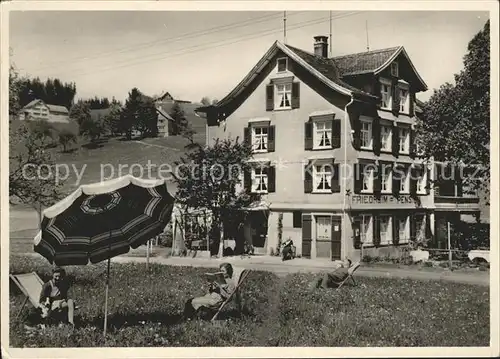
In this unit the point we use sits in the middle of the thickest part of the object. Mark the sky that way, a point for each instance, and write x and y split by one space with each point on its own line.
197 54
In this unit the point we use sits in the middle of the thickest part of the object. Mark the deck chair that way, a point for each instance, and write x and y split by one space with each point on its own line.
350 274
31 286
239 278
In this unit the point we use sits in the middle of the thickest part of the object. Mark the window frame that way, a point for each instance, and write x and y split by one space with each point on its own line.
316 136
419 232
386 178
370 177
395 69
253 135
388 233
326 175
406 182
422 182
389 138
406 228
277 98
406 147
366 237
370 134
278 64
263 176
388 83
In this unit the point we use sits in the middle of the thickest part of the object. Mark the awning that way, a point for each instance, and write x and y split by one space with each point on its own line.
256 206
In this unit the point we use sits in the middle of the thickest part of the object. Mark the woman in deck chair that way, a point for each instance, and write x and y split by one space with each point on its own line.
216 295
333 279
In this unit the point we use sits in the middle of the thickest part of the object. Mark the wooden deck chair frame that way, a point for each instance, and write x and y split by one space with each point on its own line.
32 297
236 293
350 275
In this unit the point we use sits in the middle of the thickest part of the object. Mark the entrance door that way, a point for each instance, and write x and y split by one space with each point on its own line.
323 236
306 235
336 237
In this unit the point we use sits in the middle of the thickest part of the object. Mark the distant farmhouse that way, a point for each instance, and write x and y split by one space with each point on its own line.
164 104
39 110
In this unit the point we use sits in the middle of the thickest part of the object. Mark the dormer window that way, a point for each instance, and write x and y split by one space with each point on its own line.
282 64
395 69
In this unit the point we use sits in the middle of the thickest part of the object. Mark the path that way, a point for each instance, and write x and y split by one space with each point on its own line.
155 145
310 266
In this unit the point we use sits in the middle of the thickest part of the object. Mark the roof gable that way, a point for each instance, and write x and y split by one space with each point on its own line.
363 62
374 62
322 68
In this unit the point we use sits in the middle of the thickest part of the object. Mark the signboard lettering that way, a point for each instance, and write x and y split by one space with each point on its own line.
370 199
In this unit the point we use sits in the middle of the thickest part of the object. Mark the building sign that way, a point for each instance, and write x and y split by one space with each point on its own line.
388 199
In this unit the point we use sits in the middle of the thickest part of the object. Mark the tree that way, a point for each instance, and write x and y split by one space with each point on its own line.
179 125
112 119
52 91
66 137
97 103
207 178
43 131
15 86
455 124
139 113
32 174
93 129
80 112
205 101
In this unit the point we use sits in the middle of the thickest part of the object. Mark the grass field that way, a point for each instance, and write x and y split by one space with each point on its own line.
278 311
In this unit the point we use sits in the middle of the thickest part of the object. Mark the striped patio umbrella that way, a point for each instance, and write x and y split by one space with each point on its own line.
100 221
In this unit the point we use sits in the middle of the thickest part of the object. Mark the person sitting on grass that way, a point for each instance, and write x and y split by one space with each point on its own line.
54 296
216 295
333 279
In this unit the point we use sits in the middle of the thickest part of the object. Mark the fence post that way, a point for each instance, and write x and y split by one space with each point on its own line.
449 245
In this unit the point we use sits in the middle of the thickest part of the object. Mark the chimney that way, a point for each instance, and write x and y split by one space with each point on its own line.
321 46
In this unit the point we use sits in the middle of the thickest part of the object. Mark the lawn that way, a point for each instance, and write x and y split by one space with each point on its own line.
278 311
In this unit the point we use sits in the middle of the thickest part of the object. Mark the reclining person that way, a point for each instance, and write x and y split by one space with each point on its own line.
217 294
54 296
333 279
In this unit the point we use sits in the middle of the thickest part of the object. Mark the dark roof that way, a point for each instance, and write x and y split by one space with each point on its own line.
197 123
363 62
325 66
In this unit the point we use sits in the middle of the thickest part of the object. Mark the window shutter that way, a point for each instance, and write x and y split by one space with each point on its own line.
358 177
396 181
376 135
428 182
356 230
270 97
376 230
395 140
413 181
395 230
308 184
395 96
247 180
413 227
306 234
336 133
335 178
413 145
377 181
411 104
295 94
247 136
271 179
271 139
308 136
428 229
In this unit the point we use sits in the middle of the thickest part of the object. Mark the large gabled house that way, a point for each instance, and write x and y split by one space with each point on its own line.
39 110
334 152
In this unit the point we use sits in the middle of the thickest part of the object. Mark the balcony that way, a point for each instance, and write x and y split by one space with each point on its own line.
455 198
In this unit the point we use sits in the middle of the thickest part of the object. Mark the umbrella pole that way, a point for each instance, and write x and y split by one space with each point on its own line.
106 300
